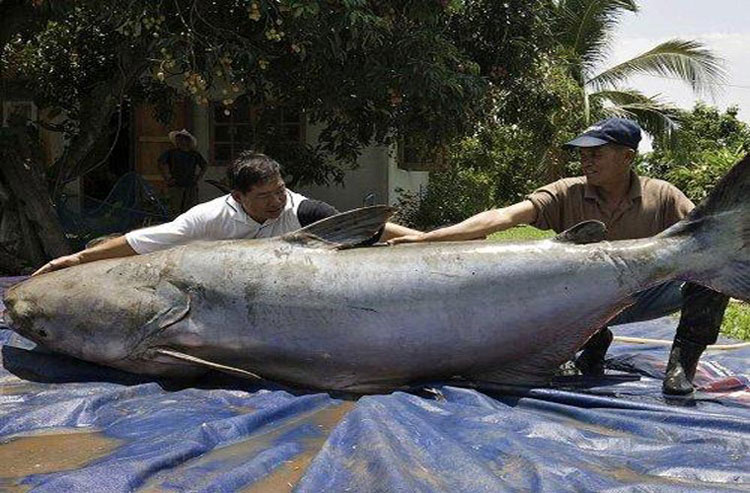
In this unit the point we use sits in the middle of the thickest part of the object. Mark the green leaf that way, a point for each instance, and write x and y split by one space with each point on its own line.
685 60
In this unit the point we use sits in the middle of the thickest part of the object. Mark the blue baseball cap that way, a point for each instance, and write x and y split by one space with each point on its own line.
610 131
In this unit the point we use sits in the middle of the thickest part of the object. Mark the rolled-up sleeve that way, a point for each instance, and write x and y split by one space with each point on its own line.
184 229
547 205
677 206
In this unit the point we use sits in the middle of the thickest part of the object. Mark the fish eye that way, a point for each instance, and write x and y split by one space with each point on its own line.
42 332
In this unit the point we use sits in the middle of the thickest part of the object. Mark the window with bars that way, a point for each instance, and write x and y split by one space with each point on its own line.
243 127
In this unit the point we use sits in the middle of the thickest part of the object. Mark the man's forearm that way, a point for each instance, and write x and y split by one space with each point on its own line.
393 230
486 223
164 171
478 226
116 247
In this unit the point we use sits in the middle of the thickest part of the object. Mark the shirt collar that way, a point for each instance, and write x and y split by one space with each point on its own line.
237 212
634 191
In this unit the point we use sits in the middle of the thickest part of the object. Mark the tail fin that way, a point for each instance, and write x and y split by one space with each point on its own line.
720 226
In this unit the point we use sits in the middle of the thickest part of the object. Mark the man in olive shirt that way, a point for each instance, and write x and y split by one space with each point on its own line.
631 207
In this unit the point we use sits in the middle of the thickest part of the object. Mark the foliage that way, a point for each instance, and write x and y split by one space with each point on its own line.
518 149
708 144
698 178
367 71
736 321
506 41
585 30
451 197
507 157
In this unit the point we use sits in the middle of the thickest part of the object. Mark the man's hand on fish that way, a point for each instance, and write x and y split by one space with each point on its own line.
112 248
59 263
477 227
419 238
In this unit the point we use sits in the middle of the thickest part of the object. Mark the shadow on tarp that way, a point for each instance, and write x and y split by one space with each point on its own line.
68 425
40 366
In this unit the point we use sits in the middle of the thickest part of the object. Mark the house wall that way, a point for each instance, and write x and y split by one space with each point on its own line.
370 177
202 131
376 178
400 181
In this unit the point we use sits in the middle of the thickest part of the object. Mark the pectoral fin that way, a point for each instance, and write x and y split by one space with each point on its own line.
346 230
583 232
173 305
170 353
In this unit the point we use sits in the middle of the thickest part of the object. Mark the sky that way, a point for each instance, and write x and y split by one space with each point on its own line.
722 25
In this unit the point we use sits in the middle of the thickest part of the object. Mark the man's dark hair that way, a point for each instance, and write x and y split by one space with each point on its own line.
251 168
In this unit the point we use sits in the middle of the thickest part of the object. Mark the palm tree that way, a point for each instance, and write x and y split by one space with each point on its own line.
584 28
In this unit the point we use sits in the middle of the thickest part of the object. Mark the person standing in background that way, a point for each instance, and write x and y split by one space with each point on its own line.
182 167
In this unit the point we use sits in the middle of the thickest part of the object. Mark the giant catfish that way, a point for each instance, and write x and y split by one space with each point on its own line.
310 310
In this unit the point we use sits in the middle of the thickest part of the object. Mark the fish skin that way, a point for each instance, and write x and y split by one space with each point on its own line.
373 319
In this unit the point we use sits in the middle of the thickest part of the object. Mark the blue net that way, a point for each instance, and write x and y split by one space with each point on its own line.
132 203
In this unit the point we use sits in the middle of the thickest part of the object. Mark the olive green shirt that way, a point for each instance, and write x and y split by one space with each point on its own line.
651 206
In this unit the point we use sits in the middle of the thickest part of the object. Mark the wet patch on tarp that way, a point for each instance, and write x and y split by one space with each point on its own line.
51 450
272 459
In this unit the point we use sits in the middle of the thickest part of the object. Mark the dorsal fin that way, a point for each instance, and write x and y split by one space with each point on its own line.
345 230
583 232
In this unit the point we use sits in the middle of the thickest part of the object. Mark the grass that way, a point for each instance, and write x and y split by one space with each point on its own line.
736 322
521 233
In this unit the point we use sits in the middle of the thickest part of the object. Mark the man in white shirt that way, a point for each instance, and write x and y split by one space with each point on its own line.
259 206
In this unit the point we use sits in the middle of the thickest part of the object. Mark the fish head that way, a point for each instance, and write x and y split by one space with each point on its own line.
91 313
58 319
21 314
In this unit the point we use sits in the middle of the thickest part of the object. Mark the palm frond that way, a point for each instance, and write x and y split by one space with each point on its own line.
659 118
687 60
585 27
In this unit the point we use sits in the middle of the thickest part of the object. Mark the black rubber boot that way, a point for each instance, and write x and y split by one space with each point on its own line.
591 360
683 360
700 321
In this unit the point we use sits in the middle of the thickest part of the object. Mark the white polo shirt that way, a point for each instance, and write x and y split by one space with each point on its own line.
222 218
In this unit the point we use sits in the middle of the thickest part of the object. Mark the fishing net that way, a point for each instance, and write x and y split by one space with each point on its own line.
132 203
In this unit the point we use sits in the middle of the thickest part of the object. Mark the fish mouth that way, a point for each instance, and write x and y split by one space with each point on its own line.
8 321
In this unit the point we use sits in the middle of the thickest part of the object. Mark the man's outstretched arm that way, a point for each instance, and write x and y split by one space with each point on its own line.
116 247
393 230
478 226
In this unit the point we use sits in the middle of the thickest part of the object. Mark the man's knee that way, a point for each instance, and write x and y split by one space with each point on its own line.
655 302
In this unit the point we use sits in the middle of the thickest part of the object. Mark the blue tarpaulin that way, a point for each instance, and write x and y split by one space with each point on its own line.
68 425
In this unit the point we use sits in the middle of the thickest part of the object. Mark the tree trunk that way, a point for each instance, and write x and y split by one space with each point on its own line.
22 182
13 265
90 145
